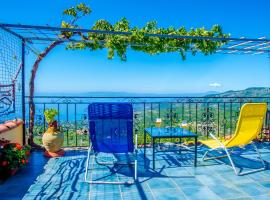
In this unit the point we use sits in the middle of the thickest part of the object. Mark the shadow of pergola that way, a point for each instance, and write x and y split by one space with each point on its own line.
63 178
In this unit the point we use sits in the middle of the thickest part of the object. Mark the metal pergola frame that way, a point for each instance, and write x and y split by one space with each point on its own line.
33 34
36 34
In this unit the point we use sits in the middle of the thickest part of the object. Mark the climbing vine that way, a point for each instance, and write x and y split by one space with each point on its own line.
139 39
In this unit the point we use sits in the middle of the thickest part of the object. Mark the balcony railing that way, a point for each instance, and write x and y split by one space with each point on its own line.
202 115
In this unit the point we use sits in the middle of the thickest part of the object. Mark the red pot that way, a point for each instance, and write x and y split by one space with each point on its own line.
12 172
6 173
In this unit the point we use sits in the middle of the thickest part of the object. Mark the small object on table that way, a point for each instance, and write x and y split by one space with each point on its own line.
158 122
184 124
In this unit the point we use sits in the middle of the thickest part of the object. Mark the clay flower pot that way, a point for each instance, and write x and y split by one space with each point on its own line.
6 173
12 172
52 141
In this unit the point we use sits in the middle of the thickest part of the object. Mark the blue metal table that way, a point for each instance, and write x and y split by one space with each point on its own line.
172 132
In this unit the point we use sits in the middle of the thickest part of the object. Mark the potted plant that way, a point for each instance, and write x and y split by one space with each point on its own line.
53 138
12 157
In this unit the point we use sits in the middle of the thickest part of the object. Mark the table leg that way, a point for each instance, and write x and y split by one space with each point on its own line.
153 143
195 157
144 144
180 142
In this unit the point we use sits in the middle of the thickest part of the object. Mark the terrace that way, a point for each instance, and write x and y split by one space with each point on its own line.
174 176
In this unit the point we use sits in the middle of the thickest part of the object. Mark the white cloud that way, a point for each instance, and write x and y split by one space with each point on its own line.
215 85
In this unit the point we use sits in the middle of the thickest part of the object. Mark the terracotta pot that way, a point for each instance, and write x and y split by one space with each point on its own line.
13 171
6 173
52 140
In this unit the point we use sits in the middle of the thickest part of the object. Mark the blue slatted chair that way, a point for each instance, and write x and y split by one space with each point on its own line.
111 131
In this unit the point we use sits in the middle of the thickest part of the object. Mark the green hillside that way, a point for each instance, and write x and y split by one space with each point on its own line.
249 92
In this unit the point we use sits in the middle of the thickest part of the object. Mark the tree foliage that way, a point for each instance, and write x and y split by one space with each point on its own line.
137 38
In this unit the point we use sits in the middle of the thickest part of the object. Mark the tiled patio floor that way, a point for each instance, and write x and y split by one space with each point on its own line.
174 178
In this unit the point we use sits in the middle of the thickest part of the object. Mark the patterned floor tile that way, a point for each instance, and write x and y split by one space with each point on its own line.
228 192
174 178
172 194
199 193
253 189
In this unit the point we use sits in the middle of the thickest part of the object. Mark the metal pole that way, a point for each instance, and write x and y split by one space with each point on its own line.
51 28
23 90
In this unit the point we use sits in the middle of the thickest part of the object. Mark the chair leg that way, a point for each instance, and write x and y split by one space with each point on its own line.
135 170
237 172
231 161
104 182
260 159
217 157
205 158
259 155
87 163
136 157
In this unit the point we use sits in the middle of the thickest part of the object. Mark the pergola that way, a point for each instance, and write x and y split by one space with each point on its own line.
27 36
41 34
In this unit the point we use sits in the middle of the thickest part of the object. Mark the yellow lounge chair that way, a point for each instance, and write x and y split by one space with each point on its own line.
248 127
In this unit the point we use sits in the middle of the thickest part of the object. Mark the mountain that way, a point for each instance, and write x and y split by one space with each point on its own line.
128 94
132 94
249 92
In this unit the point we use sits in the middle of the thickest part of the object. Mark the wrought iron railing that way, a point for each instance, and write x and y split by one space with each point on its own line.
202 115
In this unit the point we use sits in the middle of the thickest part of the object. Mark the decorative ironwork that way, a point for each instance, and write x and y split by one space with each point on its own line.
66 100
171 117
7 99
11 76
202 115
40 125
207 121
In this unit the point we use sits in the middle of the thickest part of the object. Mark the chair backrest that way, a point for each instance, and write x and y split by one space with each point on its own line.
111 127
249 125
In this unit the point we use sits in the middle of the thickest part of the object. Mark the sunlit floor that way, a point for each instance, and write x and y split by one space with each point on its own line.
174 178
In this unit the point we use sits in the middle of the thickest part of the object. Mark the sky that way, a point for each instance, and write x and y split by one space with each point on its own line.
84 71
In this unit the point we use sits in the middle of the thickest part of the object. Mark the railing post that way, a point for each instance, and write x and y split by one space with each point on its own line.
23 90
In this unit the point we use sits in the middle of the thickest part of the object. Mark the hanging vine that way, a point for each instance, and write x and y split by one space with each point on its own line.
137 39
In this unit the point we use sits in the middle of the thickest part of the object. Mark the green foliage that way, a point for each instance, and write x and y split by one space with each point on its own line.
79 10
137 38
74 13
83 9
13 155
50 115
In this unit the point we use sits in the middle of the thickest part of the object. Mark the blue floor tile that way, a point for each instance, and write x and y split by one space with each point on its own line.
160 183
174 178
262 197
172 194
253 189
138 195
176 172
106 196
265 184
140 186
188 182
228 192
199 193
243 198
232 178
211 180
262 176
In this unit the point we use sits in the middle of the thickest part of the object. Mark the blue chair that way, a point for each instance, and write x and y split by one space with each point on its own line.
111 131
